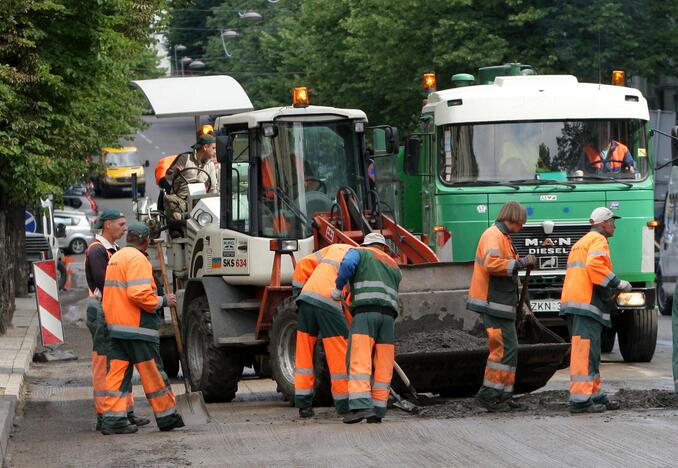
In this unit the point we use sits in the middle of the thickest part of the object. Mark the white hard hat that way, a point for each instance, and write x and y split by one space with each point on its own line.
602 214
374 238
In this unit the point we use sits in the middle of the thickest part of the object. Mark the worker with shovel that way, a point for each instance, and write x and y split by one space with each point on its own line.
374 278
130 302
590 284
494 294
319 315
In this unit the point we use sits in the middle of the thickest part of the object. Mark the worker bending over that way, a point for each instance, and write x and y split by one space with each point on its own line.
319 315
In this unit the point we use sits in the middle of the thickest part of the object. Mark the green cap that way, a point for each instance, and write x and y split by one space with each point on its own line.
204 140
139 228
108 214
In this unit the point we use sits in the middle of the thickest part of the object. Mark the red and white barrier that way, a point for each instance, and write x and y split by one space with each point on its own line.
47 297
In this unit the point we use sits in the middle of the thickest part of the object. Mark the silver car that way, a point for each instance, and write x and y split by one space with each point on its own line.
76 233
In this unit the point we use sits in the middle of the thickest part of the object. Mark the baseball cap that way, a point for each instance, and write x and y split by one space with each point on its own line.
108 214
204 140
139 228
374 238
601 214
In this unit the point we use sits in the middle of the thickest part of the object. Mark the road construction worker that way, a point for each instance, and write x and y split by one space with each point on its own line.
374 280
608 155
113 227
494 294
130 303
179 175
590 284
318 315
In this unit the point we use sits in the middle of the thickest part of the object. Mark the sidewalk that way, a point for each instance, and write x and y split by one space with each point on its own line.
16 354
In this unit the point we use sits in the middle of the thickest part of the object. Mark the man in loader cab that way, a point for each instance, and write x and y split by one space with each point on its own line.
590 284
494 294
374 277
319 315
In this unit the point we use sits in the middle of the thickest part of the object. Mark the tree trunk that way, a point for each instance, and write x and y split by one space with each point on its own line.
13 275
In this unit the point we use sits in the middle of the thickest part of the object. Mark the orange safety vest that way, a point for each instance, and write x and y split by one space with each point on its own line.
493 287
162 166
90 293
588 265
615 159
130 297
316 275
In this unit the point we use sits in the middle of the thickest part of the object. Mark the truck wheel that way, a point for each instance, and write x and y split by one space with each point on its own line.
664 301
638 335
214 371
169 356
607 337
282 351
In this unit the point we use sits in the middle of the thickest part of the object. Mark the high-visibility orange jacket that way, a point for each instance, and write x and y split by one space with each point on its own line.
619 154
589 279
493 285
162 166
316 275
130 297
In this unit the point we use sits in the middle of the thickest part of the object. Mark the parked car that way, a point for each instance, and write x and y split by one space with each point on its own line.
77 232
119 165
81 201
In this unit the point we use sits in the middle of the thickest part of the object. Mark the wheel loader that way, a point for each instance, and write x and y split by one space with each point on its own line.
292 180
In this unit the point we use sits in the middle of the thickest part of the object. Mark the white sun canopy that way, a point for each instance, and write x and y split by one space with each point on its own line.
195 95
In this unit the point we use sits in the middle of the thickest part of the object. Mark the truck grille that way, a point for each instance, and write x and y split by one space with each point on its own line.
125 180
552 249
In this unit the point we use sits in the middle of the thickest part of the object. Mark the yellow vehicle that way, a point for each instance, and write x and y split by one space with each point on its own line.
119 165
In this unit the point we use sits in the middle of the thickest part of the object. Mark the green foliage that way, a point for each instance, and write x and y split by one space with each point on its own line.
65 67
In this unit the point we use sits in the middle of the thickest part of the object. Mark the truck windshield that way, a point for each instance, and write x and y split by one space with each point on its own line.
302 168
582 151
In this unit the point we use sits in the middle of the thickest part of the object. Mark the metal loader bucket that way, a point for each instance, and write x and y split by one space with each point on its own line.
434 300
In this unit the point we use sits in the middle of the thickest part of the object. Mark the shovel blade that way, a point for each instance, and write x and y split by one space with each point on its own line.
407 406
192 408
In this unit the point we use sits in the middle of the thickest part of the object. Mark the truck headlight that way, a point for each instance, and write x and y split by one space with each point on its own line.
203 218
284 245
631 299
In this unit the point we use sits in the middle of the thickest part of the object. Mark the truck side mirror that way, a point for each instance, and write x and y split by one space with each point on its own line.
412 155
224 148
392 140
60 230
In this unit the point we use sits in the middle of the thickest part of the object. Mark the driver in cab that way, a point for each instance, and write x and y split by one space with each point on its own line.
190 167
606 155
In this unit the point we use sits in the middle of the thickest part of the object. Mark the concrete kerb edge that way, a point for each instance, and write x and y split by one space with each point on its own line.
14 393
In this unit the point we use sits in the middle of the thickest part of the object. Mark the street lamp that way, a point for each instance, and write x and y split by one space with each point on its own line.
185 61
250 16
196 65
178 48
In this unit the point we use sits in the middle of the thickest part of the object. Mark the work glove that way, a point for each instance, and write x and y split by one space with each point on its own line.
336 294
528 260
624 286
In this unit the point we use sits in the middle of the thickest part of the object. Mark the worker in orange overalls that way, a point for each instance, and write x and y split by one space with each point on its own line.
130 303
590 284
494 294
319 315
113 227
161 171
612 156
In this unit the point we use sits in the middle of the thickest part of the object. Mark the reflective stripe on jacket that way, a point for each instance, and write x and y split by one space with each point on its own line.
493 285
615 158
589 279
375 278
317 273
130 297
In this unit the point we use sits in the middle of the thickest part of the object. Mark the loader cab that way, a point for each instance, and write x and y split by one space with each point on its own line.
281 166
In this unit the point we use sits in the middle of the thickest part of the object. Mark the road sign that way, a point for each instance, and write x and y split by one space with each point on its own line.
47 297
29 221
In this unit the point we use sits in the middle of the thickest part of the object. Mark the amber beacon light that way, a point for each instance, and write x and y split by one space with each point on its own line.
429 81
618 78
300 97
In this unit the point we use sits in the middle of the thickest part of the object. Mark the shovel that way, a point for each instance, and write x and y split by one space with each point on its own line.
528 323
190 405
403 404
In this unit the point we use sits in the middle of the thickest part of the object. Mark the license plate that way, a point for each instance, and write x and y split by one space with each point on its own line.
545 306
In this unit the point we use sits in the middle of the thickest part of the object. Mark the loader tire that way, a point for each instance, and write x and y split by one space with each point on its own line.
214 371
637 333
607 337
169 356
282 351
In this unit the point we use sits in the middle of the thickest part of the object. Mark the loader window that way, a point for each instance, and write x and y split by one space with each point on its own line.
240 183
302 168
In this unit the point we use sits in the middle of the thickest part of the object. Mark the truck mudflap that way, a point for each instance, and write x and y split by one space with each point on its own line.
433 299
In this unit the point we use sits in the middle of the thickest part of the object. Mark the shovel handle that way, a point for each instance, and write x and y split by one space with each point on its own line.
401 373
523 294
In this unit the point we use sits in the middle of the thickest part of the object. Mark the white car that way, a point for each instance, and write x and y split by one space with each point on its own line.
76 233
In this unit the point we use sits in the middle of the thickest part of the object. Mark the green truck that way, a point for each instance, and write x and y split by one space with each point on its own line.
541 140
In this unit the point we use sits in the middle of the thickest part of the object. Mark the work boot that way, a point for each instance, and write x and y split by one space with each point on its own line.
515 405
612 405
492 405
373 420
137 421
358 415
306 413
592 408
129 429
99 422
175 425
